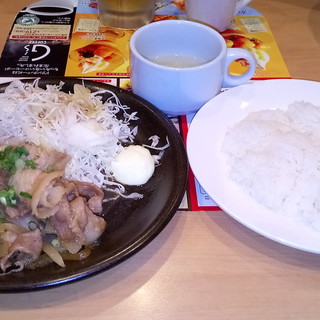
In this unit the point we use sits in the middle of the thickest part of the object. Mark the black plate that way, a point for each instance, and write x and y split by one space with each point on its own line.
131 224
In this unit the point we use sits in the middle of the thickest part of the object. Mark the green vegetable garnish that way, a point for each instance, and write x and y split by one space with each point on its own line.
11 159
30 164
8 197
25 194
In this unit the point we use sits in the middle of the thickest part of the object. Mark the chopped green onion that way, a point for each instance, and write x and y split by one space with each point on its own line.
56 243
30 164
22 151
5 152
25 194
8 197
19 164
10 159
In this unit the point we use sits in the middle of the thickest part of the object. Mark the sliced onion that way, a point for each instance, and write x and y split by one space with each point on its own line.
11 227
83 254
51 251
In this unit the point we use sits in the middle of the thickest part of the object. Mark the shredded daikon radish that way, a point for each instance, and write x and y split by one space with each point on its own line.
154 146
78 124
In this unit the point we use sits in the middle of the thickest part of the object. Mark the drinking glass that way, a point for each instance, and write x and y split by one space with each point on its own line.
126 14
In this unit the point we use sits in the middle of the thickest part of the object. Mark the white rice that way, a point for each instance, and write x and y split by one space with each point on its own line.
275 156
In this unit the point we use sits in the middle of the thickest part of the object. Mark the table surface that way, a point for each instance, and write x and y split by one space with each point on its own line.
204 265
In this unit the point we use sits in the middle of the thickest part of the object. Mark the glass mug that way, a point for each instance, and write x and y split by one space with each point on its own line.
126 14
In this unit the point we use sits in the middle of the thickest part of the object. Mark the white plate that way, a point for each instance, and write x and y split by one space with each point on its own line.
204 141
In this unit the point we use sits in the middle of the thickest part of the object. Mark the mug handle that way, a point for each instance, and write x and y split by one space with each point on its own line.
232 55
240 4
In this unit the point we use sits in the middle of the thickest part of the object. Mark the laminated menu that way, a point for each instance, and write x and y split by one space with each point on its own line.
76 44
38 45
97 50
253 33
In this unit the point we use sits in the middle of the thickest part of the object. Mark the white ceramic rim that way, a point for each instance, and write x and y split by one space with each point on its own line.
172 23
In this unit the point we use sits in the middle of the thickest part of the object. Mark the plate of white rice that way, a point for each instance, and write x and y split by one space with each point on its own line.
255 149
